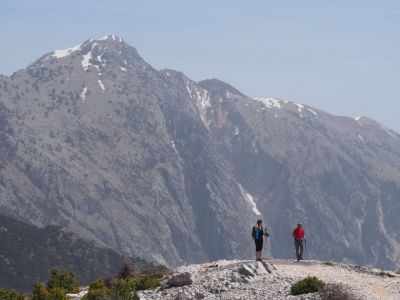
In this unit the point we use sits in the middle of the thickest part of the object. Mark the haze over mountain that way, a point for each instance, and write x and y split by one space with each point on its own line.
154 164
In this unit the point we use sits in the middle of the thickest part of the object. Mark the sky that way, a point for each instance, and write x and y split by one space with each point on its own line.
341 56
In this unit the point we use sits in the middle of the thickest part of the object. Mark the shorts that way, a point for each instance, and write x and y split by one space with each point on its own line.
259 245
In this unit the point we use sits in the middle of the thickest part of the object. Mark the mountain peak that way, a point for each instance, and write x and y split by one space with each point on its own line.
109 39
106 53
112 37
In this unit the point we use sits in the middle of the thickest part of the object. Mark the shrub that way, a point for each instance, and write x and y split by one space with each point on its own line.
147 283
329 263
124 289
120 289
6 294
127 270
60 283
334 291
63 279
40 292
306 286
97 290
57 293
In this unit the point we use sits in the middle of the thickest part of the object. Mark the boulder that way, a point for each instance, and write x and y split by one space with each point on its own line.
177 280
245 271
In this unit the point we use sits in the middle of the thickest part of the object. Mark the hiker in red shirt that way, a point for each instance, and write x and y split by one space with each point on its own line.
298 236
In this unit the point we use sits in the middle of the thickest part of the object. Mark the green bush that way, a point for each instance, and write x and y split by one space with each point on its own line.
40 292
97 290
57 294
63 279
60 283
124 289
306 286
146 282
120 289
6 294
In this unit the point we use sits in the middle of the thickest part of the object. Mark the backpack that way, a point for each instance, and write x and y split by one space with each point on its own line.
254 233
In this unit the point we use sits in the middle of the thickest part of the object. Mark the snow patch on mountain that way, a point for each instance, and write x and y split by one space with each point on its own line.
83 94
249 198
108 36
86 60
173 146
270 102
300 107
202 100
66 52
101 85
313 112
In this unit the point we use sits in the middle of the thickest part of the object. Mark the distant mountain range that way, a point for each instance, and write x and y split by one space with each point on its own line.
151 163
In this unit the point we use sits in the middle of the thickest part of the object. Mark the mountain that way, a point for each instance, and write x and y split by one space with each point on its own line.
151 163
28 254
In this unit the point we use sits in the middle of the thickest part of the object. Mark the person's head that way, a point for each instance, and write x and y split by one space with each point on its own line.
259 222
299 225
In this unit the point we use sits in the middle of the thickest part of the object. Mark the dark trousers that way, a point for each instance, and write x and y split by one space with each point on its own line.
259 245
298 244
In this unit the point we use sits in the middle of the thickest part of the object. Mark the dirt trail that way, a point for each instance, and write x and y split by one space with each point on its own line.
371 284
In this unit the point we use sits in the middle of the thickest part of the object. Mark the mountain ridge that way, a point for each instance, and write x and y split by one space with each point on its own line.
151 163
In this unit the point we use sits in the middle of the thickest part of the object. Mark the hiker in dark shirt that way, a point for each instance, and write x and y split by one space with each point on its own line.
258 234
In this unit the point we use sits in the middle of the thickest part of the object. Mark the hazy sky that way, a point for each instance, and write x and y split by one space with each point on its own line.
341 56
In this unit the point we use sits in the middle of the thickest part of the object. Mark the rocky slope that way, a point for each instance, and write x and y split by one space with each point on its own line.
273 279
152 163
28 253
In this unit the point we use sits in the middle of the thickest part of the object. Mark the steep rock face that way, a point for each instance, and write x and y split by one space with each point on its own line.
114 150
151 163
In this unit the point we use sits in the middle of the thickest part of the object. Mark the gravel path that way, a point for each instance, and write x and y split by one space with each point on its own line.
368 283
272 280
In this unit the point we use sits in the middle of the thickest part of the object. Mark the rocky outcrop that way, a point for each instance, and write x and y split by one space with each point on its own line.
177 280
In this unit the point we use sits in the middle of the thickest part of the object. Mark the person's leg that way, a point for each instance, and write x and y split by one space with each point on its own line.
297 247
301 250
258 253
